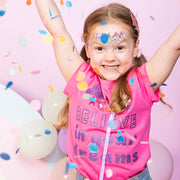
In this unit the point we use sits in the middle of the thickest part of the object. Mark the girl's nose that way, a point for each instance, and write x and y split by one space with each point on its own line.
110 55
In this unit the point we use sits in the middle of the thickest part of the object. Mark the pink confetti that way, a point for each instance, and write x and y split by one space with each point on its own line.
35 104
35 72
152 18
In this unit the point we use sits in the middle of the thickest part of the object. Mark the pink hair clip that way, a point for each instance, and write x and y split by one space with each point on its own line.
134 20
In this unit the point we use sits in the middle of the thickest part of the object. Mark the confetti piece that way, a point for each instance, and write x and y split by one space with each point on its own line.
14 63
62 38
51 89
86 96
82 86
12 72
107 109
154 84
80 76
58 60
69 101
5 52
42 32
5 156
109 173
104 38
28 2
23 42
82 14
35 72
69 59
119 132
48 132
96 70
50 13
35 104
10 83
61 2
152 18
144 142
73 166
112 124
2 11
131 81
93 148
17 150
68 4
20 70
164 84
103 23
55 17
92 99
166 114
73 48
48 38
161 95
120 139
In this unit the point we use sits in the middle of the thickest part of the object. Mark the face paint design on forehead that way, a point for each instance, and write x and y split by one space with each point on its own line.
108 39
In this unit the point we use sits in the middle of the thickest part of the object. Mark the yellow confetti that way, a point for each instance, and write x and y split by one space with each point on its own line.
153 74
82 86
80 76
51 89
58 60
107 109
48 38
69 101
161 95
166 114
20 70
62 38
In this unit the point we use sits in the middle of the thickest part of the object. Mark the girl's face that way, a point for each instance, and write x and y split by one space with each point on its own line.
111 50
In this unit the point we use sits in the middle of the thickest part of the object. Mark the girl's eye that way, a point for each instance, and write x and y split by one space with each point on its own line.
99 48
120 47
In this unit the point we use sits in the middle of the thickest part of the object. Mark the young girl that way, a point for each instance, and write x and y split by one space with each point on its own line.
111 90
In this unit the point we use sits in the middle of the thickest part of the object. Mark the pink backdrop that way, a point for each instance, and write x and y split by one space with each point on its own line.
33 68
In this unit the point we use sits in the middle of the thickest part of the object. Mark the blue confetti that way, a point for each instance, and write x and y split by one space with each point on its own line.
131 81
68 4
73 48
55 17
92 99
69 59
112 124
164 84
93 148
50 13
104 38
103 23
17 150
119 132
5 156
120 139
73 166
47 132
10 83
42 32
154 84
2 11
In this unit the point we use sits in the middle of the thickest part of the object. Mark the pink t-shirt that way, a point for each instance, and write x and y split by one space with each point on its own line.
88 118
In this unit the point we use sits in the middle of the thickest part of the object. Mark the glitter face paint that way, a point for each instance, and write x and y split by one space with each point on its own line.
108 39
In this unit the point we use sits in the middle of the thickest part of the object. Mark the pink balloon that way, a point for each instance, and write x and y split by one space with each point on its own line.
62 138
161 163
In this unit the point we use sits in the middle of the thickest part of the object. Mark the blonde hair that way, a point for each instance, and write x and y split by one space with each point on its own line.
121 93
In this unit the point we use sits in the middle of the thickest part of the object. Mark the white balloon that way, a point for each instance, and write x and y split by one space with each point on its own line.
52 105
37 139
160 164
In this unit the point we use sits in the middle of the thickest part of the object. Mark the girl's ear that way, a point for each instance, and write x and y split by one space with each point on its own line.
135 52
87 51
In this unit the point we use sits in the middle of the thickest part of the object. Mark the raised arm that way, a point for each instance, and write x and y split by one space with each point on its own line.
161 64
66 54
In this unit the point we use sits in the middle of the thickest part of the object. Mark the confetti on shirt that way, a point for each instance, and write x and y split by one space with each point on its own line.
93 148
154 84
72 165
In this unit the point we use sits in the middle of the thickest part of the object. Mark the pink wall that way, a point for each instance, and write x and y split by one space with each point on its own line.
22 21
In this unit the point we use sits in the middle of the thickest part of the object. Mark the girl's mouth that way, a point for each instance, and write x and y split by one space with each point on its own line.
110 66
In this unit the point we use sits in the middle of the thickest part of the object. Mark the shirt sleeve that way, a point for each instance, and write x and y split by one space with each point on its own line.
153 96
